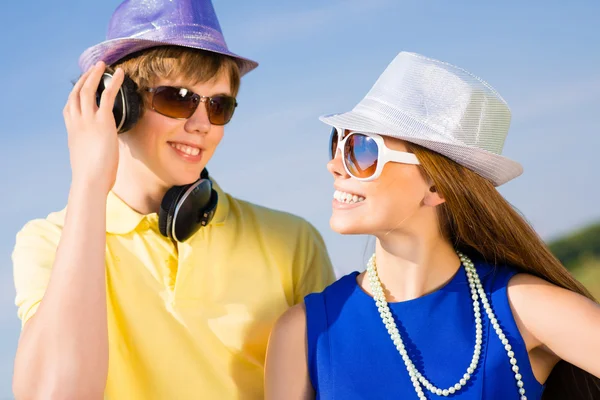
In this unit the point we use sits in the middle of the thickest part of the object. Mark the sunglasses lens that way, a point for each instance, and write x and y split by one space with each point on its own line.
333 142
360 155
174 102
220 109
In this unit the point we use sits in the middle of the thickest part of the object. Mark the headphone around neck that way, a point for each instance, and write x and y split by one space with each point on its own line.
183 209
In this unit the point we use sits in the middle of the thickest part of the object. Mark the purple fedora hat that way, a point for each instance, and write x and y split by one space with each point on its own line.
140 24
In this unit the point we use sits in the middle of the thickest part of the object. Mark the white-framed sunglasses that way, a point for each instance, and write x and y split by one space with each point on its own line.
365 154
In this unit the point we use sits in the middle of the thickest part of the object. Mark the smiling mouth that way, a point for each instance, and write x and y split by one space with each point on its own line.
348 198
189 150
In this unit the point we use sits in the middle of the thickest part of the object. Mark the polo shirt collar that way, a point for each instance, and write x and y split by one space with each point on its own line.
122 219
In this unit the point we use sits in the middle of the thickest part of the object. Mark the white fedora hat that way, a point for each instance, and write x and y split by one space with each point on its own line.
441 107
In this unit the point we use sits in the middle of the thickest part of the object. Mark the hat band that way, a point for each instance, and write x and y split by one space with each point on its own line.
401 123
191 33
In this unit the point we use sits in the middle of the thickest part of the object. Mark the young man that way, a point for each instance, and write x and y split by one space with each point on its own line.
125 294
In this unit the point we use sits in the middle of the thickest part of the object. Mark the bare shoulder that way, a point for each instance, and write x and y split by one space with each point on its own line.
290 326
541 307
528 292
286 368
529 295
522 285
528 298
556 323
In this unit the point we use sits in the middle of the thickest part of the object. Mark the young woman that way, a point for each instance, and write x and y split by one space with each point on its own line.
461 297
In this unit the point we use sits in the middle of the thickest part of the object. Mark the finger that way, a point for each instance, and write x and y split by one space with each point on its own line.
87 95
109 95
66 116
73 100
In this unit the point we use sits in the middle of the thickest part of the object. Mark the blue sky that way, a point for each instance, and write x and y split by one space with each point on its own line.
317 57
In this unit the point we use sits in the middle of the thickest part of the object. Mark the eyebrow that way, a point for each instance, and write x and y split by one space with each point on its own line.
222 94
189 88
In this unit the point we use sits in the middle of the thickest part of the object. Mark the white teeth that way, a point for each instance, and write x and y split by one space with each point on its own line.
189 150
349 198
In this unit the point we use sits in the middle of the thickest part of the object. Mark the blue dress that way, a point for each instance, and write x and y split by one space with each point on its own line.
351 355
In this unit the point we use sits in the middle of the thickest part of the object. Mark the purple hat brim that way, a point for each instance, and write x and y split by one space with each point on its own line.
113 50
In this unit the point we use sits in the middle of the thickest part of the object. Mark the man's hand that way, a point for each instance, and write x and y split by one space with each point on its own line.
92 132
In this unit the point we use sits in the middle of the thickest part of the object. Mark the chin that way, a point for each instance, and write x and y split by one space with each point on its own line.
346 227
183 179
176 172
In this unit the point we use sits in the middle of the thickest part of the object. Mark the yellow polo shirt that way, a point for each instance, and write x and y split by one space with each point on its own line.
187 321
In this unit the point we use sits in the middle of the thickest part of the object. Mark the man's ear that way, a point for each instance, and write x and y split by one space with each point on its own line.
432 197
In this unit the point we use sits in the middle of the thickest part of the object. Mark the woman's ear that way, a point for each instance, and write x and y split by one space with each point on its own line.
432 197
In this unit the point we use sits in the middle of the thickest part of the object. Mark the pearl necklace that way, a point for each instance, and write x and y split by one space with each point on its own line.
416 377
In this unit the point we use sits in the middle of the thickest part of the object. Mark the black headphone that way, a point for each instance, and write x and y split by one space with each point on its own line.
183 209
128 102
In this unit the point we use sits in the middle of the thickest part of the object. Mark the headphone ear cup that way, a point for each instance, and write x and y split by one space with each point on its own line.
133 103
167 209
128 101
185 209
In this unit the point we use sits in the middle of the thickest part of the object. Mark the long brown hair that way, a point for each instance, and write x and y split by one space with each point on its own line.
479 221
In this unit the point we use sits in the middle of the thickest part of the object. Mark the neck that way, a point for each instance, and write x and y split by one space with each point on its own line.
410 266
139 188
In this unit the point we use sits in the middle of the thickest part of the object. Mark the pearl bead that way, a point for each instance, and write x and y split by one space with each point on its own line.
477 294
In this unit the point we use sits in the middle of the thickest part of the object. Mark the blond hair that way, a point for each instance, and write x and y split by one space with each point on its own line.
176 62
